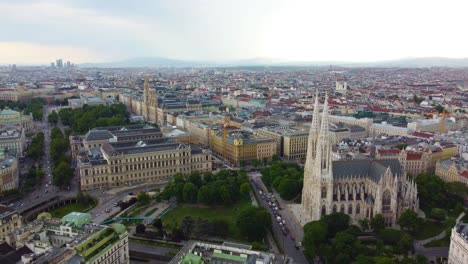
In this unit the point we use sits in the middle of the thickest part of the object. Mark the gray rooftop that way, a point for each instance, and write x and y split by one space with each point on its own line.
363 168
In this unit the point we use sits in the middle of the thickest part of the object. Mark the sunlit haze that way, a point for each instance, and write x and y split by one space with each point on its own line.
218 30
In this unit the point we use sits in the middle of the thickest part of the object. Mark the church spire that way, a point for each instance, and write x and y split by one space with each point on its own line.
310 175
323 161
313 134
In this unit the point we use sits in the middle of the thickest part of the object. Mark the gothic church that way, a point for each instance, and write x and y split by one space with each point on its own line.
360 188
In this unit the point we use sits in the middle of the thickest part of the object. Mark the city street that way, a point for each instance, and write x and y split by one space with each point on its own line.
288 241
45 189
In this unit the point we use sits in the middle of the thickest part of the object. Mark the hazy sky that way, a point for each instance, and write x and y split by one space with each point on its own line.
37 31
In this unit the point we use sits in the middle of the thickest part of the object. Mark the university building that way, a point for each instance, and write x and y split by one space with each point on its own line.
155 107
98 136
149 161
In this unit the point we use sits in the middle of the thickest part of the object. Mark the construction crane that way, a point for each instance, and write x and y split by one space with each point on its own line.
442 122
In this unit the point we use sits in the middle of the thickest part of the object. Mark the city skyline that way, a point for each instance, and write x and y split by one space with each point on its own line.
37 32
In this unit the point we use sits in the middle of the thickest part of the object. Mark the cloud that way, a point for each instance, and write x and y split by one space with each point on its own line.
27 53
222 30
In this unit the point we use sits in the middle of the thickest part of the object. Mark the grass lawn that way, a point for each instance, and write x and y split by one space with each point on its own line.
62 211
137 211
444 242
428 229
226 213
151 212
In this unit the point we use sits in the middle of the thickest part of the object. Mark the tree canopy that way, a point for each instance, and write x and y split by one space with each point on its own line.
36 149
253 223
83 119
222 188
286 178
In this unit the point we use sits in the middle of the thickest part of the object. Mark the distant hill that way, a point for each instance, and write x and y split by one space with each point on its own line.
166 62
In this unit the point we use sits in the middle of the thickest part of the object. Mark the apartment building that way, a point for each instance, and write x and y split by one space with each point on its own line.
13 138
71 239
8 171
431 125
458 251
362 122
242 147
10 220
412 162
453 170
387 129
197 252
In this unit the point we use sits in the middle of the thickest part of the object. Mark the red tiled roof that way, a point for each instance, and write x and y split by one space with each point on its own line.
422 134
464 174
388 151
413 156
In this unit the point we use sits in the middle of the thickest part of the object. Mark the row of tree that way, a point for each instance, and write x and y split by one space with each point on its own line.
62 172
53 118
83 119
36 148
223 188
32 178
333 240
286 178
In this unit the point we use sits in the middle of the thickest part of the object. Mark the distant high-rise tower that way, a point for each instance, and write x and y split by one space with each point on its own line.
59 63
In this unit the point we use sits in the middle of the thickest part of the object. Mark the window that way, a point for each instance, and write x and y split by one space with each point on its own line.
386 201
324 192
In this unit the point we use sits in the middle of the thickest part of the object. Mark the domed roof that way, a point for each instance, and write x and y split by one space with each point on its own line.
8 111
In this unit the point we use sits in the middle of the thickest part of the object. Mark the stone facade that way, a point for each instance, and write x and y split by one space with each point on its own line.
143 161
10 117
8 172
458 251
13 138
10 220
360 188
453 171
150 104
241 147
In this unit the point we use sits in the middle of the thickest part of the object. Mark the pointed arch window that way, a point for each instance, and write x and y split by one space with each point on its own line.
386 201
350 209
324 210
358 209
334 208
342 209
324 192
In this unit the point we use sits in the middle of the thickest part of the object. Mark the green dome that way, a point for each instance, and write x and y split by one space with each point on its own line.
7 111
